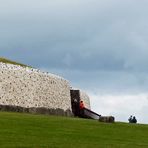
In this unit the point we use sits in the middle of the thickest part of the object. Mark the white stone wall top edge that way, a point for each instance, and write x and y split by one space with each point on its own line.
74 88
81 91
29 70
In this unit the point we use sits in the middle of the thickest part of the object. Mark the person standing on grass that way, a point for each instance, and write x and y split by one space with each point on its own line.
134 120
130 119
82 108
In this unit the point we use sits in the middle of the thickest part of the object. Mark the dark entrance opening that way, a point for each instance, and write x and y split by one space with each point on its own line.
75 102
75 99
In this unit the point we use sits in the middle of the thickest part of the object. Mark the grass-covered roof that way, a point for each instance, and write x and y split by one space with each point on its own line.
4 60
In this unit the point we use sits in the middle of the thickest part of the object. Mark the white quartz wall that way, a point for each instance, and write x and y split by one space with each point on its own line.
85 98
27 87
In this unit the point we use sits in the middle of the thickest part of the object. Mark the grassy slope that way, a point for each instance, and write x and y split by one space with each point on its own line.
11 62
39 131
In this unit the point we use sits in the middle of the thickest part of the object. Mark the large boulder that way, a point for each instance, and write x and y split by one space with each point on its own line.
108 119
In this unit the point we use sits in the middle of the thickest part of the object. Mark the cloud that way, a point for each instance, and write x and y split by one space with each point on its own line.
99 46
121 106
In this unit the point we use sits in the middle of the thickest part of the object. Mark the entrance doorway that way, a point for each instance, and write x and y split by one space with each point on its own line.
75 99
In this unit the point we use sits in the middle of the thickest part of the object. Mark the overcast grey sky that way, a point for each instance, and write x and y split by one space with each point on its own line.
100 46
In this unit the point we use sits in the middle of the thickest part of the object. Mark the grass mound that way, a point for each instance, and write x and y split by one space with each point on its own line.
4 60
19 130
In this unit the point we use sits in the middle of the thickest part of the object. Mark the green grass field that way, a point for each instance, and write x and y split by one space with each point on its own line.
19 130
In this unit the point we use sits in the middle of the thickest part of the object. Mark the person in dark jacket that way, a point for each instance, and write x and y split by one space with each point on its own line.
134 120
130 119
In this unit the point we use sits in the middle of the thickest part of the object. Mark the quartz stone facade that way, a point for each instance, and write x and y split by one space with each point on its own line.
27 87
